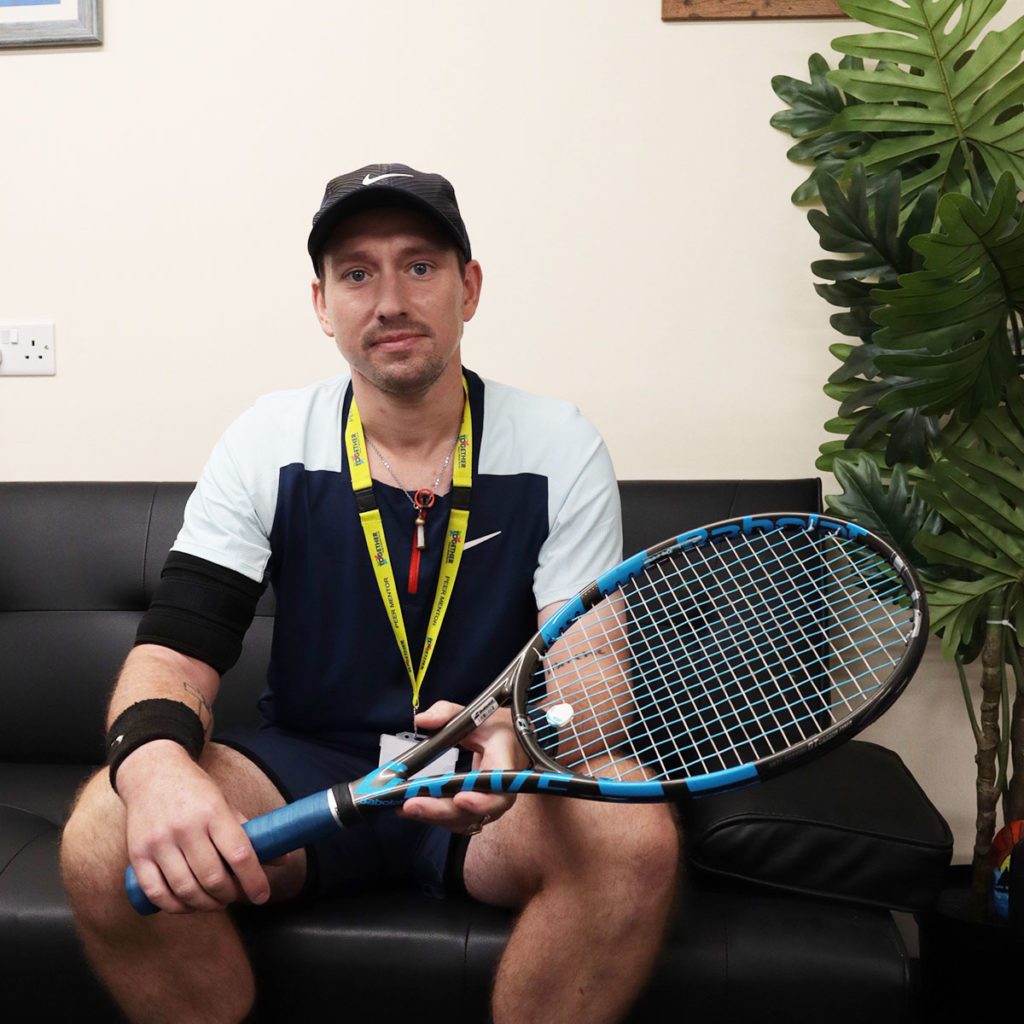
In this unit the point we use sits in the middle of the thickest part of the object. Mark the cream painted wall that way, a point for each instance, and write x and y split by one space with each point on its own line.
622 187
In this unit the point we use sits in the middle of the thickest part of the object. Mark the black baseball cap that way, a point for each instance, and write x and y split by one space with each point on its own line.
387 185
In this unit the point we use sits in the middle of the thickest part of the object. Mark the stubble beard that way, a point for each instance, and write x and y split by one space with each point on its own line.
409 375
403 381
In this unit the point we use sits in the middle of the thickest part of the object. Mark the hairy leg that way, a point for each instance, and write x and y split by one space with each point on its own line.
595 883
180 968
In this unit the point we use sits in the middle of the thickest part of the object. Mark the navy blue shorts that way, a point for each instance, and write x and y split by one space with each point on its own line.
384 850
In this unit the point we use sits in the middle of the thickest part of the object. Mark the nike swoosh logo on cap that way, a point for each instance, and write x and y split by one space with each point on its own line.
370 179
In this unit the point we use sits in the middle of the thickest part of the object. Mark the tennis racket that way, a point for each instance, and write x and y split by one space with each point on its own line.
716 658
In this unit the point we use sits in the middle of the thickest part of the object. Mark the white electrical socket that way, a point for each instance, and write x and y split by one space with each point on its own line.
27 350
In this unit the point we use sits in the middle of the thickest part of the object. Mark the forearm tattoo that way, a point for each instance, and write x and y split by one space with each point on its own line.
202 708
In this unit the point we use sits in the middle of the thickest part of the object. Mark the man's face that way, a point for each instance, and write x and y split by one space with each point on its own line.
394 298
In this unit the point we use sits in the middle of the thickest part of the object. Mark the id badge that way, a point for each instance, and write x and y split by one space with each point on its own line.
392 748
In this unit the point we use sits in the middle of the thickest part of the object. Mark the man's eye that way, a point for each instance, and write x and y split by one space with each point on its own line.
356 276
421 269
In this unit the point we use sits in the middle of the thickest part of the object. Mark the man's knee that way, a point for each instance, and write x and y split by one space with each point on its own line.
92 850
581 846
629 874
640 851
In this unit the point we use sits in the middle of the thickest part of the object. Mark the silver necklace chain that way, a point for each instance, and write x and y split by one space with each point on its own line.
404 489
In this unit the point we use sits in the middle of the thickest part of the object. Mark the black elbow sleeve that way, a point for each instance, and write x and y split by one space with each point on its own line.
200 609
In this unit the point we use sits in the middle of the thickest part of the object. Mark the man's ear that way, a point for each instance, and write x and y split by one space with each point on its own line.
320 307
472 281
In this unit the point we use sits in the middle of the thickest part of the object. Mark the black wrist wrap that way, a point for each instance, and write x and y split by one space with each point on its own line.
156 719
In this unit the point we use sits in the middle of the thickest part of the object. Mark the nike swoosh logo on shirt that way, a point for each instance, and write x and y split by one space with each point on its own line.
370 179
479 540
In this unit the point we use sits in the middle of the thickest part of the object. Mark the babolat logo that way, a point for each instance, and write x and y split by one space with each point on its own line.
392 772
453 545
463 448
357 449
378 550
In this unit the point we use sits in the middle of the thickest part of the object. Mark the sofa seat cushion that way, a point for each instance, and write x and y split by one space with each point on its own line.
753 949
730 954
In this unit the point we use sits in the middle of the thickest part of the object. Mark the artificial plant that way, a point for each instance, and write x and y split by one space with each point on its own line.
916 147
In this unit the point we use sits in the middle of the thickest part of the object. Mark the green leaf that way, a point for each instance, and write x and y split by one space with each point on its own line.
893 511
905 435
986 503
980 497
833 452
856 297
859 361
951 101
842 424
851 225
1005 487
866 227
945 328
956 608
864 221
954 550
1001 428
813 107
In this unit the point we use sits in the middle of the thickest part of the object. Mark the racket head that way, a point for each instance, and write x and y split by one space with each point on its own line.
723 655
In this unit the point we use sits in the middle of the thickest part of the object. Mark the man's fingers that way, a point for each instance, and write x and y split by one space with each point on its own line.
211 870
182 880
240 858
153 884
495 747
458 814
483 805
435 811
439 713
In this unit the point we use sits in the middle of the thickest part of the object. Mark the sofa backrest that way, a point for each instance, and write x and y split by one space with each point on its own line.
79 563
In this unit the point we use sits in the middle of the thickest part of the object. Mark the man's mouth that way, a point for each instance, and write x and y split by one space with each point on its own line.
397 338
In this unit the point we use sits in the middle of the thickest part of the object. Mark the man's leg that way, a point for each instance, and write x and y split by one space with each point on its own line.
595 883
179 968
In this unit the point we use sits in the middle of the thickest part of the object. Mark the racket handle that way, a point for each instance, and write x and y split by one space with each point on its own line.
272 835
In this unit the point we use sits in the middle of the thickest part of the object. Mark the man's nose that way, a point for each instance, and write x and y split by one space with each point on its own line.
391 296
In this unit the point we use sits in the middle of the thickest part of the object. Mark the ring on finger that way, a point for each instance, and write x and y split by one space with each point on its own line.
477 827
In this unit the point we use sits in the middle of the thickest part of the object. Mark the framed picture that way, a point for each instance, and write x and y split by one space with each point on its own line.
49 22
712 10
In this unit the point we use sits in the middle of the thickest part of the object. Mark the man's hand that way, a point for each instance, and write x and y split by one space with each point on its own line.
494 746
185 841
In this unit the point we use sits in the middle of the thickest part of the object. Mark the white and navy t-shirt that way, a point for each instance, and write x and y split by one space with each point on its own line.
275 503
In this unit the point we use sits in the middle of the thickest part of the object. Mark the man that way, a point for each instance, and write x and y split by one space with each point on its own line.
342 495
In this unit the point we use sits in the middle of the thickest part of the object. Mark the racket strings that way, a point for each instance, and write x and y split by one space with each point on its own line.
713 713
589 648
790 655
775 723
652 661
721 655
584 646
772 730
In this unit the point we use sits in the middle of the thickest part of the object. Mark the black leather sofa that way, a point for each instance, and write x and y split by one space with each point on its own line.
785 913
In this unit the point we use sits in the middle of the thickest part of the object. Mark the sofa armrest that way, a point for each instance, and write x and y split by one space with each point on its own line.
854 825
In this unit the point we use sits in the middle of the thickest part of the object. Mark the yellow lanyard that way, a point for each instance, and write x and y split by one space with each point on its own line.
377 545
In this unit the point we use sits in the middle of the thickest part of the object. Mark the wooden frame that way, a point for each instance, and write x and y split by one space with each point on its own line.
50 22
709 10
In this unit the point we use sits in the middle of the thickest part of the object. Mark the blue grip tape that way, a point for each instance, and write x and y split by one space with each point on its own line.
272 835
